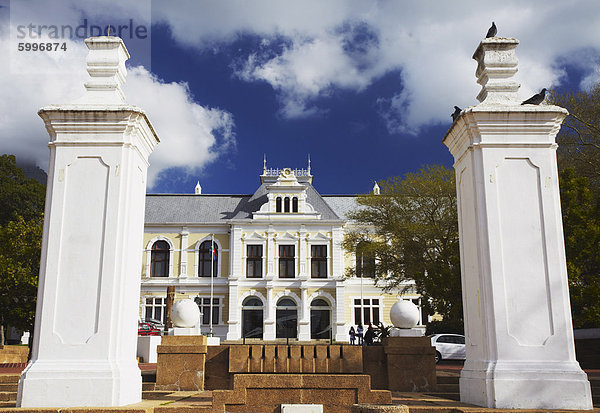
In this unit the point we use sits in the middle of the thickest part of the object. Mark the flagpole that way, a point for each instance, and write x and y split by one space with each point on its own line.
212 270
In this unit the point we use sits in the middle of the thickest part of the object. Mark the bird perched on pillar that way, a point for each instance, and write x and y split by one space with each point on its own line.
456 113
535 99
492 31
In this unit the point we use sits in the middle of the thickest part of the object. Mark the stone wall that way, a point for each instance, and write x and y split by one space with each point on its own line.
14 354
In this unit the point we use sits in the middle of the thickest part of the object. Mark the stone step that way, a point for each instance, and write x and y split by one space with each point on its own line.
447 379
148 386
451 396
12 403
7 396
9 386
9 378
447 388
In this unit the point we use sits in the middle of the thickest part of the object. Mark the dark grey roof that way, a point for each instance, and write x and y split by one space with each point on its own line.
341 204
179 209
199 209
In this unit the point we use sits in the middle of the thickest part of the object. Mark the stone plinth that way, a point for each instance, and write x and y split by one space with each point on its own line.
519 336
84 344
181 363
410 364
266 392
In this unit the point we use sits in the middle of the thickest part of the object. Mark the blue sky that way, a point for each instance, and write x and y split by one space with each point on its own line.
365 88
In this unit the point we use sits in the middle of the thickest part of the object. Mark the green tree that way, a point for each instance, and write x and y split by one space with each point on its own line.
18 195
412 229
581 219
579 137
21 220
19 268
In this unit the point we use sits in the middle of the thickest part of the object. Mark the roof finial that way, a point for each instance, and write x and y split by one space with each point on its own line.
309 163
264 163
108 30
376 189
198 189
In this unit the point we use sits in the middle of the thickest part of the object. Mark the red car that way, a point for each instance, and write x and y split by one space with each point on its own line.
145 329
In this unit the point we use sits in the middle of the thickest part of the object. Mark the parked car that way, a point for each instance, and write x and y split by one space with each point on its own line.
448 347
147 329
154 323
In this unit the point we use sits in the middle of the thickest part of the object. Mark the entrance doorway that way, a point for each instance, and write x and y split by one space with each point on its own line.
252 318
320 319
286 318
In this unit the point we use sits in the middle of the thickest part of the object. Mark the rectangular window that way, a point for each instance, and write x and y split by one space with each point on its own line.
318 262
287 261
370 311
154 308
254 261
205 309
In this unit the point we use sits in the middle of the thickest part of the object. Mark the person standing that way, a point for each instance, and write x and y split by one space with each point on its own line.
369 335
352 335
359 334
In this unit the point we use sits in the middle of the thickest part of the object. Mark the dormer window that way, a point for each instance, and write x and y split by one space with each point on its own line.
286 204
278 204
295 204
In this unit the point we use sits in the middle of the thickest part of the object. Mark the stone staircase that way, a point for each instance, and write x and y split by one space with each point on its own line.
8 389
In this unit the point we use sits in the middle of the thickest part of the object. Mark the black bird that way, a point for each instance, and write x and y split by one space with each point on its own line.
535 99
457 111
492 31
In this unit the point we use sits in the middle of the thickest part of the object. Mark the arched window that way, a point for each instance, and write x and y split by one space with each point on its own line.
295 204
286 204
159 259
208 255
252 318
286 319
365 260
320 319
278 204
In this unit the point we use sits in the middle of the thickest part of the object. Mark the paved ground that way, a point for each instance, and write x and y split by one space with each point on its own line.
191 402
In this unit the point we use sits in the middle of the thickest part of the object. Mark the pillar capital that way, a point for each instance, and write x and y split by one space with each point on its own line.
497 63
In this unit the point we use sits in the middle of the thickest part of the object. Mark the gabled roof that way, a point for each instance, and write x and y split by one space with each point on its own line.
206 209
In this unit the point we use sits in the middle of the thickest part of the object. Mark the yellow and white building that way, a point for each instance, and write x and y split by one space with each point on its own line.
278 267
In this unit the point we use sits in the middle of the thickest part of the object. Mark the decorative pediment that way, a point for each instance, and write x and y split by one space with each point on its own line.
319 237
255 236
286 237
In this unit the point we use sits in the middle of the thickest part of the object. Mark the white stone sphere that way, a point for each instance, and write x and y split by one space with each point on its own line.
404 314
185 313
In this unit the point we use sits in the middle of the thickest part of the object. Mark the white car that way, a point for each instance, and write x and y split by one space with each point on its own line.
448 346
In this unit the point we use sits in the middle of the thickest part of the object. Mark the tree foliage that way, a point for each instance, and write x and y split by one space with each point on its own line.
21 221
581 219
579 137
412 229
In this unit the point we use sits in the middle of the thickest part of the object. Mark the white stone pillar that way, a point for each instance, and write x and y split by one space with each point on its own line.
184 254
269 313
520 349
85 337
303 254
234 331
271 247
304 316
339 312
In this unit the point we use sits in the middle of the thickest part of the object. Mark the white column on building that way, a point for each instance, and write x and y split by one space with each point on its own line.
337 253
303 254
234 330
339 312
269 323
520 349
271 261
304 316
184 255
85 336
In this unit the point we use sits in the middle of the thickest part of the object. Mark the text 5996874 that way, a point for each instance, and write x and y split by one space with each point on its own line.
42 47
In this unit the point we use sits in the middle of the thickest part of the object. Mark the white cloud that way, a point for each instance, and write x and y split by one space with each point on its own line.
191 135
429 42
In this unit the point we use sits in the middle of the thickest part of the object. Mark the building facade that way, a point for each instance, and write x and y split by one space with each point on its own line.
273 260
